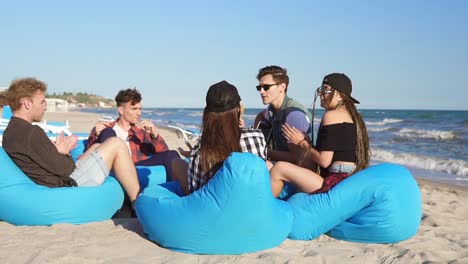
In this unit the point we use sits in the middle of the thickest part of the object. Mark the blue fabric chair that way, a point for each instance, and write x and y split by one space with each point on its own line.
147 175
23 202
7 114
381 204
234 213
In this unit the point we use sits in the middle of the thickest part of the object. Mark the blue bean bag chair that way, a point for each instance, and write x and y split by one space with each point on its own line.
234 213
381 204
147 175
23 202
6 113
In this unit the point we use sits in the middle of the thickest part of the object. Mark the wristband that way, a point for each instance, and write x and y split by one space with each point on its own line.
298 143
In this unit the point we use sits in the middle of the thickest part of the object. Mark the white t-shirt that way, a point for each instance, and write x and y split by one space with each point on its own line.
121 133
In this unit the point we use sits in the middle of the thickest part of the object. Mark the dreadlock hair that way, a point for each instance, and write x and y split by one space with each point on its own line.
362 149
220 137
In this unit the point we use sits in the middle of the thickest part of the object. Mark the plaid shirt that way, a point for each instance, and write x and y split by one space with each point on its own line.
142 144
252 140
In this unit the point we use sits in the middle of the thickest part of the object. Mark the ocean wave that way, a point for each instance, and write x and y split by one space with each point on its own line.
249 116
378 129
421 133
384 122
196 113
451 166
158 121
159 113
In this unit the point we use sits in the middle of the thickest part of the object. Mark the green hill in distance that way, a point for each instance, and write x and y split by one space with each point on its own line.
90 100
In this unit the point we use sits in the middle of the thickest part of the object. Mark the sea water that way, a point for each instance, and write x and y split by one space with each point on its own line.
432 144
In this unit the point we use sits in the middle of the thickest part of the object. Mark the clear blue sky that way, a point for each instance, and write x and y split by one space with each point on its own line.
399 54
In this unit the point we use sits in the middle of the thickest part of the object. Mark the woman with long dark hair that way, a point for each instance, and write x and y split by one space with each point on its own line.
221 135
342 142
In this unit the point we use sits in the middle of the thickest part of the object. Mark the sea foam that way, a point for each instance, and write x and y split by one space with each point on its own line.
378 129
384 122
450 166
421 133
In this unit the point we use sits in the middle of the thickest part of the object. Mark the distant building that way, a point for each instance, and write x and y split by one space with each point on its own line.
56 105
104 105
77 105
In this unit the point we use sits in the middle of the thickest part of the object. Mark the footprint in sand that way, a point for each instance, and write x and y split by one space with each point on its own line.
309 253
428 220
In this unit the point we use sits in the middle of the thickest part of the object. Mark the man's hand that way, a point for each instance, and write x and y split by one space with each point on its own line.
149 127
65 144
100 126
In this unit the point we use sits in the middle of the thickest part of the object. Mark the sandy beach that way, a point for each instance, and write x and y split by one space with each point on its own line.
441 238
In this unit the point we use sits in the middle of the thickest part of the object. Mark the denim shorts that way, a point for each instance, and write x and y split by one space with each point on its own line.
90 171
341 168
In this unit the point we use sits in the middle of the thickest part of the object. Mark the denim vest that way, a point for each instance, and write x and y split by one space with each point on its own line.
275 138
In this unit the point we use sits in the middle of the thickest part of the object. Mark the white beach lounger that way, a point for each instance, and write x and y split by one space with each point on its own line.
3 123
186 134
52 129
55 128
105 118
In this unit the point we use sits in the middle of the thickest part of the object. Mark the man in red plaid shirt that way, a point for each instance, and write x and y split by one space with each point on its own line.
146 146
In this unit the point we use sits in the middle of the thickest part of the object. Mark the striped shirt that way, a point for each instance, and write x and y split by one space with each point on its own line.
33 152
251 140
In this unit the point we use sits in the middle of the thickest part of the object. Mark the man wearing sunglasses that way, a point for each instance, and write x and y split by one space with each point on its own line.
273 86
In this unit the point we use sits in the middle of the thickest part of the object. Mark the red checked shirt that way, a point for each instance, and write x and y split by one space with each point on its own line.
141 143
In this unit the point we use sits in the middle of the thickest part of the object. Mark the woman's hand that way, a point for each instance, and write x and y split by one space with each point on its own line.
292 134
241 123
186 153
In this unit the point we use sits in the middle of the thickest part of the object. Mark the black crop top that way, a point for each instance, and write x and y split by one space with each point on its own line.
340 138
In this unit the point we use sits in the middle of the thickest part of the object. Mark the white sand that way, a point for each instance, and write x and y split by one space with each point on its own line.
442 237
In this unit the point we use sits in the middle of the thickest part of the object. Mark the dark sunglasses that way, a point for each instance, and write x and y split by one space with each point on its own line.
323 90
265 86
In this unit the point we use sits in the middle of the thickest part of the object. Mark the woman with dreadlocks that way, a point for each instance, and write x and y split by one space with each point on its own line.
342 142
